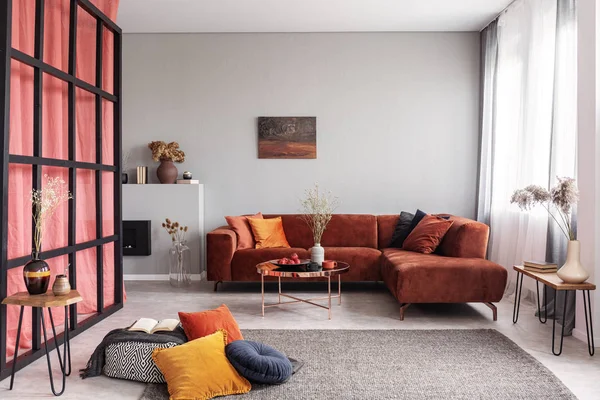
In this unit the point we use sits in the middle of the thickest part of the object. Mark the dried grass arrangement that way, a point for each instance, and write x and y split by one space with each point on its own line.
563 196
44 202
317 209
162 151
176 230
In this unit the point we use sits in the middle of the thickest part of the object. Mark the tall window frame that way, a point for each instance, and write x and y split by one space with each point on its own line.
37 161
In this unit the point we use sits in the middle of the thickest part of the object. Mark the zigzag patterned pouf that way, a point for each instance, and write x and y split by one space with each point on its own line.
133 361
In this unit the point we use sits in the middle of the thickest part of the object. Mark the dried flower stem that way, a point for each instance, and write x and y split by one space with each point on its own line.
177 231
317 209
563 196
44 202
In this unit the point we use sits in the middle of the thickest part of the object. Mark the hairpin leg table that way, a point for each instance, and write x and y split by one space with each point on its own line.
552 280
47 300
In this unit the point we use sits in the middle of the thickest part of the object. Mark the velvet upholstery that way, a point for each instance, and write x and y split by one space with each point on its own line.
221 244
465 238
268 232
240 225
430 278
460 273
386 224
364 262
344 230
427 235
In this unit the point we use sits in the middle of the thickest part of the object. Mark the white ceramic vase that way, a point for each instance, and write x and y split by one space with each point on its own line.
317 254
572 271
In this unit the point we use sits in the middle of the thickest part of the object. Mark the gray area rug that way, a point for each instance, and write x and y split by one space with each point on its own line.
401 364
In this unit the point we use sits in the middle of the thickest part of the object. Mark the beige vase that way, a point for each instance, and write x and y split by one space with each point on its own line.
572 271
61 286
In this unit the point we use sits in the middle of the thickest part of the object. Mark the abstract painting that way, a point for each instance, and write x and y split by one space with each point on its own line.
287 137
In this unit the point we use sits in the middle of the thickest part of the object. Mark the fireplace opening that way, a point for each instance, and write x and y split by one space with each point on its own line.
136 238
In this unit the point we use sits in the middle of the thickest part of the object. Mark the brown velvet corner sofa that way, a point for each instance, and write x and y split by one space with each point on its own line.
456 273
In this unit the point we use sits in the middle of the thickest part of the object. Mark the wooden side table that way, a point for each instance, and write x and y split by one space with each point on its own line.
552 280
46 300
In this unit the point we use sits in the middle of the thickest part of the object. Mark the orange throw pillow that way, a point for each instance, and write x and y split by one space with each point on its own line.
241 227
204 323
427 235
268 233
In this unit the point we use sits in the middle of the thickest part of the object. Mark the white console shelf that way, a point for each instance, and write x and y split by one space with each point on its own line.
155 202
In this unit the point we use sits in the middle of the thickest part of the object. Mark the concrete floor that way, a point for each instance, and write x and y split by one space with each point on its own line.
364 306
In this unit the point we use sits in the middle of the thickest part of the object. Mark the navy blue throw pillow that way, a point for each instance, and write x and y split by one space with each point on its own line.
419 215
259 362
402 229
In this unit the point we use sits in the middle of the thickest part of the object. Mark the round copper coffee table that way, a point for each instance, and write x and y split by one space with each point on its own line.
270 269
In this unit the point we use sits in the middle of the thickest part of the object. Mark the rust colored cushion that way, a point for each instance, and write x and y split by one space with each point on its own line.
241 227
427 235
268 232
204 323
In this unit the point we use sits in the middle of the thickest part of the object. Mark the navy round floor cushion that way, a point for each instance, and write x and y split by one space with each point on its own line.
258 362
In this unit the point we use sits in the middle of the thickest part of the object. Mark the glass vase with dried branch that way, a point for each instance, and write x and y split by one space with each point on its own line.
180 259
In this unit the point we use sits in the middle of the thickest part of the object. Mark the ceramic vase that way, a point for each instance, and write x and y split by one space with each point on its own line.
317 254
61 285
167 172
36 274
572 271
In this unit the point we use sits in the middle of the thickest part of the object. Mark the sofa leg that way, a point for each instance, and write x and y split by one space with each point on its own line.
403 308
494 310
217 285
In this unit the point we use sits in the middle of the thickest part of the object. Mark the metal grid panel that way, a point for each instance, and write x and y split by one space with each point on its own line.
7 53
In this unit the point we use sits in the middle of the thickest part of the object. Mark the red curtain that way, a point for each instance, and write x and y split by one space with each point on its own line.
55 145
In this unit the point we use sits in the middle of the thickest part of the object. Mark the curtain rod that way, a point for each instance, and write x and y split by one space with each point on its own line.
499 14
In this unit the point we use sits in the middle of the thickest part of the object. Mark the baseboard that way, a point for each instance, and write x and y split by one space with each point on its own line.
159 277
581 335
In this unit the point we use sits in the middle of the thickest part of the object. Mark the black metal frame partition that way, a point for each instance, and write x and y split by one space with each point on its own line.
7 53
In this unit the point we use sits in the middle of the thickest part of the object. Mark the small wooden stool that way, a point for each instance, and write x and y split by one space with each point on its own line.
46 300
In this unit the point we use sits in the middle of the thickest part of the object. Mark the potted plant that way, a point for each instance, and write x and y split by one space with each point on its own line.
317 209
179 254
560 198
167 154
45 201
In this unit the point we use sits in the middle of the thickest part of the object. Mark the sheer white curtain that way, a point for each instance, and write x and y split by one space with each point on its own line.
529 122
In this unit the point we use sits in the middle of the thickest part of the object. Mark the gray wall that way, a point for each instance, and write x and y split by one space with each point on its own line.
397 116
181 203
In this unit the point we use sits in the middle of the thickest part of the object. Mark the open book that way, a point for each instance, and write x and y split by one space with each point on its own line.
150 325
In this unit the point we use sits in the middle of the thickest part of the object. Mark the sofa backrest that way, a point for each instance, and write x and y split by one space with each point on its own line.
385 229
344 230
466 237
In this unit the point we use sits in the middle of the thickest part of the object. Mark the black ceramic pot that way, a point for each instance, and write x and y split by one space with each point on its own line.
124 178
36 274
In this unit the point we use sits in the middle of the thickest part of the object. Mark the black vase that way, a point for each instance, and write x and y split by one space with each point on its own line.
124 178
36 274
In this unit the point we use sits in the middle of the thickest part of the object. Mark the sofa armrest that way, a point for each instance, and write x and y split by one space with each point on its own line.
221 244
466 239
